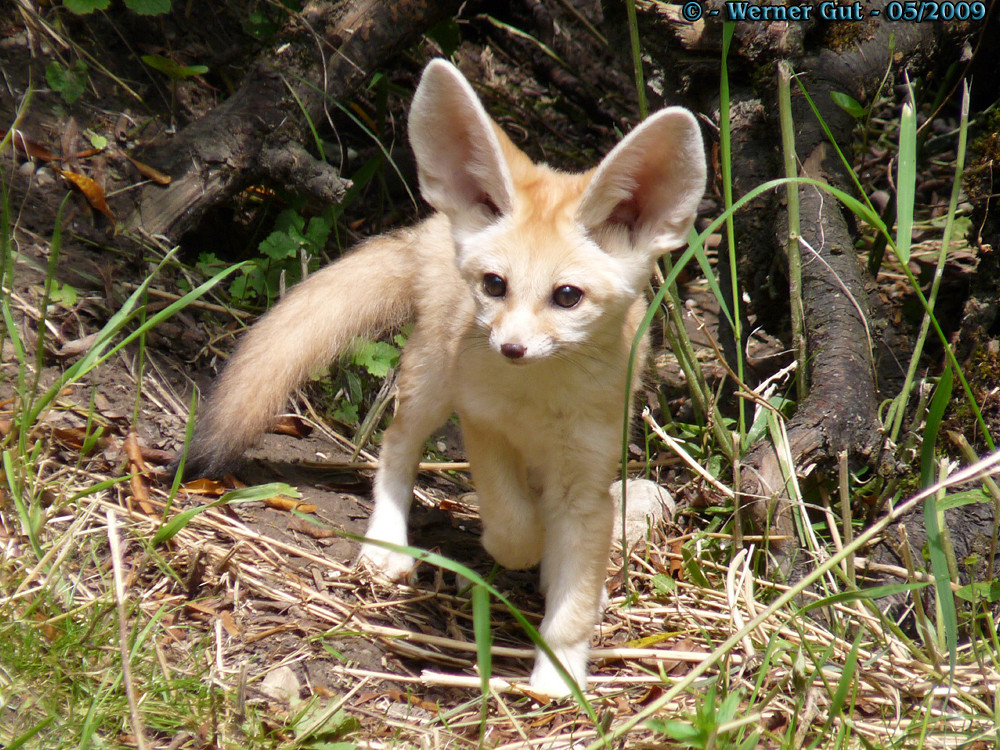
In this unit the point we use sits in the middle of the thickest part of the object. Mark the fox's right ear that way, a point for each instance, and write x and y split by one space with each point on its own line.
460 164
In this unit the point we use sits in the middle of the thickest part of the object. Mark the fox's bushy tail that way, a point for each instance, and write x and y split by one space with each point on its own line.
363 294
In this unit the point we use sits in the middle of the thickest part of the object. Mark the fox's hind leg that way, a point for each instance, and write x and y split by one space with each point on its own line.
423 406
513 532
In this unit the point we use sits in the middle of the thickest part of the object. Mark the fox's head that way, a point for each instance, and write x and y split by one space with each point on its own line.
553 260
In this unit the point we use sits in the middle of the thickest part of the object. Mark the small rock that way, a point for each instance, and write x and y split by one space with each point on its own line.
648 504
281 685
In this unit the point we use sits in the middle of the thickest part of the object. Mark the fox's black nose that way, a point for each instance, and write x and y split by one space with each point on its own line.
512 351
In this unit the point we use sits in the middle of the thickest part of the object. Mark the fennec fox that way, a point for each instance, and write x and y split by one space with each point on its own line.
526 289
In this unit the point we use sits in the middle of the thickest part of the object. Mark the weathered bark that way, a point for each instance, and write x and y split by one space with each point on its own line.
846 343
839 413
256 135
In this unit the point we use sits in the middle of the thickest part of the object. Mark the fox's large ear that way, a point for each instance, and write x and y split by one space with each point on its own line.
459 161
650 184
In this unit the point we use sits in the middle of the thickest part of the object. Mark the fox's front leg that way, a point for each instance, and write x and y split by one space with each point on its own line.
577 545
421 409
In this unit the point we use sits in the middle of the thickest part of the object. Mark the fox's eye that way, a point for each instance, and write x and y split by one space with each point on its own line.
567 296
494 285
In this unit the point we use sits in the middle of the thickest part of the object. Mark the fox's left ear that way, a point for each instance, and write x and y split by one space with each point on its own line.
650 184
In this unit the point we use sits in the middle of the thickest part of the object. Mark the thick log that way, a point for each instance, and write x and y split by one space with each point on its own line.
326 53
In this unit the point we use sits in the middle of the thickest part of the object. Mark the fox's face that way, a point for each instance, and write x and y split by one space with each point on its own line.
552 260
542 287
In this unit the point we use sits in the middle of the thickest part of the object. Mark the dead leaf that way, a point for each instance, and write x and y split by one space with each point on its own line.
78 346
30 148
74 437
304 527
93 192
148 172
139 481
48 630
229 624
139 485
156 455
676 559
205 486
414 700
286 503
201 608
294 426
134 452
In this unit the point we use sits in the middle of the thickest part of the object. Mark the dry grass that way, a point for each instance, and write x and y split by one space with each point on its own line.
208 615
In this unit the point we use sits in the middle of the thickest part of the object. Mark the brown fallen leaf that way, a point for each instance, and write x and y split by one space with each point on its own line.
205 486
75 437
133 452
201 608
93 192
29 147
316 532
294 426
234 630
78 346
139 485
676 567
414 700
286 503
156 455
148 172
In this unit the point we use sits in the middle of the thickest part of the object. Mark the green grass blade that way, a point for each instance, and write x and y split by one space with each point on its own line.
244 495
484 642
846 679
935 413
633 36
794 230
19 742
937 542
100 353
906 180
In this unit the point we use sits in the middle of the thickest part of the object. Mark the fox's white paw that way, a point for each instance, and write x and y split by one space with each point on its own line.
393 565
545 678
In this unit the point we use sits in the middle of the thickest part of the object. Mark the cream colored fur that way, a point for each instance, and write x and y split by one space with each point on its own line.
538 383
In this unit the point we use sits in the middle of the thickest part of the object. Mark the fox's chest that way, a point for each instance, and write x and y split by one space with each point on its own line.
537 400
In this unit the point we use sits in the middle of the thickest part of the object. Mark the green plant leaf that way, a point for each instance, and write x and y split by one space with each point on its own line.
68 82
318 232
149 7
848 103
377 357
979 591
686 734
968 497
280 245
447 34
82 7
173 70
